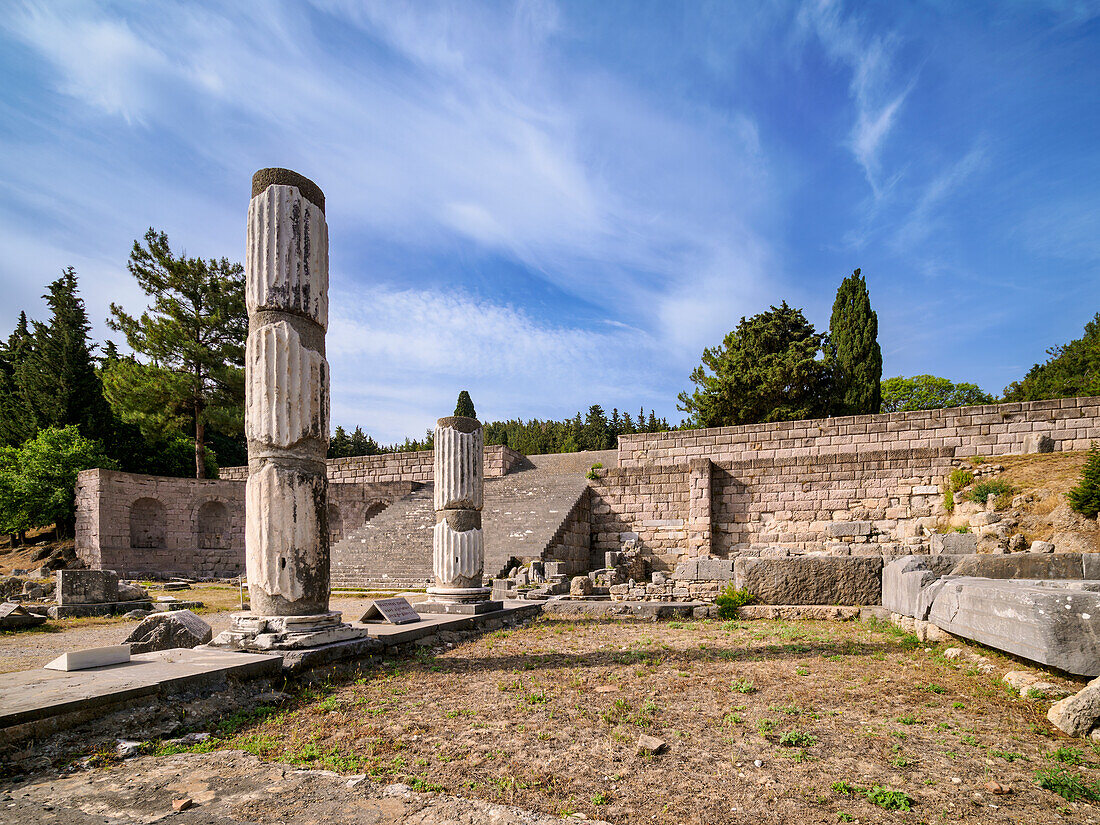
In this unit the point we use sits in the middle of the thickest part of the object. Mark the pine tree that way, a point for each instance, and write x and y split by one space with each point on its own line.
56 376
1085 497
852 351
193 331
465 405
765 370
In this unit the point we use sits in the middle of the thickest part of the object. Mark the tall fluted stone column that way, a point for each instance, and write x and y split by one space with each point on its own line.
286 418
458 545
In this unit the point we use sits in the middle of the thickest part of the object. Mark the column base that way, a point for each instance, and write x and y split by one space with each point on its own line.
252 633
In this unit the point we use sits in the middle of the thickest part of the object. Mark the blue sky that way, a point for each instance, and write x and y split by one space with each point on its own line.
556 204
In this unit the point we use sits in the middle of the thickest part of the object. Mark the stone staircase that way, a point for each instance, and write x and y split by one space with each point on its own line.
521 515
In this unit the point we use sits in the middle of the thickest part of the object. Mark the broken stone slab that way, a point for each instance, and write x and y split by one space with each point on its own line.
16 617
1041 547
1055 626
91 657
130 592
165 631
909 584
80 611
826 580
1077 714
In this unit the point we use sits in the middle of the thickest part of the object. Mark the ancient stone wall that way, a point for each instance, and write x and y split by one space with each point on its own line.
572 543
992 429
873 503
499 461
137 524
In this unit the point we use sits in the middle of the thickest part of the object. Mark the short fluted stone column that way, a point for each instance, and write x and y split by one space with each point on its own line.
286 418
458 544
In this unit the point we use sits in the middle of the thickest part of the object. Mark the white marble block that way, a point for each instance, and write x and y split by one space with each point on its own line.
458 464
92 657
458 558
287 264
286 393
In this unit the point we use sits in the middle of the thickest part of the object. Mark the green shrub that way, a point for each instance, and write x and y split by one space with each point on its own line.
1070 786
592 475
959 478
1085 497
994 487
730 599
890 800
949 501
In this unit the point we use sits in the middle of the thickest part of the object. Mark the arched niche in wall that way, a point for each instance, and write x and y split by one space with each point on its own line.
148 528
212 525
335 523
373 509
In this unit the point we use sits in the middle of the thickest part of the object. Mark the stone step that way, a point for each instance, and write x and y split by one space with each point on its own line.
522 513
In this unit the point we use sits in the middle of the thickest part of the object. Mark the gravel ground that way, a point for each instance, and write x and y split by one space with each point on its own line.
23 650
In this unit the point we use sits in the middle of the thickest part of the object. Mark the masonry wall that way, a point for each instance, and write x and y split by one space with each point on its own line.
572 543
993 429
418 466
137 524
877 502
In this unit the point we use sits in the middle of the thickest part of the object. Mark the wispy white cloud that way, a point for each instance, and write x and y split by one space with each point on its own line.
875 90
926 211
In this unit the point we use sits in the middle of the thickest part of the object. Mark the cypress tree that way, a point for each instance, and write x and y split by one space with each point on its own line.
56 376
17 422
465 405
853 353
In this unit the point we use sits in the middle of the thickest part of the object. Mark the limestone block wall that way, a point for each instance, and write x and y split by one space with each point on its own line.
572 543
499 461
872 503
137 524
650 504
992 429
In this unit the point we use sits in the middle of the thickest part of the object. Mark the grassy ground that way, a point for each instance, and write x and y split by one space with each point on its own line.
764 722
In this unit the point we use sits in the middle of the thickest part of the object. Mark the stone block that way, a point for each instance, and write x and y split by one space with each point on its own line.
1021 566
954 543
91 657
1055 626
1077 714
828 580
909 584
87 587
165 631
1041 547
1038 443
842 529
715 570
580 586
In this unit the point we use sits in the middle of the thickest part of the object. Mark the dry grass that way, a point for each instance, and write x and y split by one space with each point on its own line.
547 717
1055 472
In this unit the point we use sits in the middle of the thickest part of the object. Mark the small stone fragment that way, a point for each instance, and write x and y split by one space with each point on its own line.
182 804
1077 714
650 745
997 788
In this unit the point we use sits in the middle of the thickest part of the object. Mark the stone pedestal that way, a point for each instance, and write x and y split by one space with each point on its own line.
286 420
458 548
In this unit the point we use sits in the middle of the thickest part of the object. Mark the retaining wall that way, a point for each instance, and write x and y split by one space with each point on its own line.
991 429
